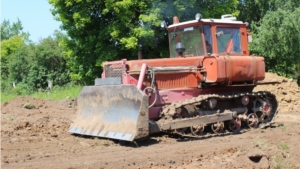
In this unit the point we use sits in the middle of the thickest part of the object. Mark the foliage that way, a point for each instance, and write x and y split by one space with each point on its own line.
12 38
33 65
111 30
95 29
8 47
9 30
28 65
253 11
273 40
272 21
250 11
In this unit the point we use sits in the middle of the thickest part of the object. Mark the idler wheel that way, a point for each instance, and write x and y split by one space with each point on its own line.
197 130
263 109
252 120
234 125
217 127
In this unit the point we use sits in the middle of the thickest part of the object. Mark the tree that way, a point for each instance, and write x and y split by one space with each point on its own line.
278 39
9 30
34 64
250 11
29 64
11 45
95 29
253 11
12 38
105 30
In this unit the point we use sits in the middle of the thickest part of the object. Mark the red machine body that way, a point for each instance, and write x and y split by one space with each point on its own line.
208 80
181 78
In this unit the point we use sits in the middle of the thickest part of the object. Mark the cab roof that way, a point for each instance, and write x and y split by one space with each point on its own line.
224 20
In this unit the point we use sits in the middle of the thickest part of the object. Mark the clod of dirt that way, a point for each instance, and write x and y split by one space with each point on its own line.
4 104
29 106
22 125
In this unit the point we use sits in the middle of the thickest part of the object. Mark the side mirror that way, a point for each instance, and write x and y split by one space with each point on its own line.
247 24
198 17
163 24
249 38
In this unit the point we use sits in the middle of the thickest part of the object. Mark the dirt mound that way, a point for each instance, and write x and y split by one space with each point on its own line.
34 135
35 119
287 92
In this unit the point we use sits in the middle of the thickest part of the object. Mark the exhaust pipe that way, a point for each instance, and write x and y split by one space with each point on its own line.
142 76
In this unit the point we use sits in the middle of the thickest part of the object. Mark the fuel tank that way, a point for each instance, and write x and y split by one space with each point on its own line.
233 69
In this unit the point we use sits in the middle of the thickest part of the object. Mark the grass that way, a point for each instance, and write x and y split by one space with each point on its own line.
260 143
283 146
105 144
135 143
7 97
280 162
280 159
8 118
57 93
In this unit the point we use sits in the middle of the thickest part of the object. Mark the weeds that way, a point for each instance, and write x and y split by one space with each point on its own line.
283 127
136 144
260 143
280 162
8 118
241 151
105 144
283 146
280 159
261 130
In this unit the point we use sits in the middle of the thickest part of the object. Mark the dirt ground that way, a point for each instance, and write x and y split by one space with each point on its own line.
34 135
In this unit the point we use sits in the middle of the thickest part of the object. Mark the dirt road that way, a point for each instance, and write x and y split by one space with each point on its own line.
34 135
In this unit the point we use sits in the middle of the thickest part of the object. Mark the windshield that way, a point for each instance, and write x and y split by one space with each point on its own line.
190 37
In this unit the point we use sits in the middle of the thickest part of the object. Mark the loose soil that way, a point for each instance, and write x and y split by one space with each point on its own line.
34 135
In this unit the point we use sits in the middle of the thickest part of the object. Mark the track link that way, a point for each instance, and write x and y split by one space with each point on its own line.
170 111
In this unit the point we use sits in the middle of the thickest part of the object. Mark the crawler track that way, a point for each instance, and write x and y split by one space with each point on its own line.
262 105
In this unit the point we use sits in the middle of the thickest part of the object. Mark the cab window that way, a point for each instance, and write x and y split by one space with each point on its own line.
208 39
229 40
190 37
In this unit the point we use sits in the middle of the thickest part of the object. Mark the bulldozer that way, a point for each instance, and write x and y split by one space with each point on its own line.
205 87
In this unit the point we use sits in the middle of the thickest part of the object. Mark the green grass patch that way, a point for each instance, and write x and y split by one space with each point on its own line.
57 93
260 143
283 146
280 161
5 97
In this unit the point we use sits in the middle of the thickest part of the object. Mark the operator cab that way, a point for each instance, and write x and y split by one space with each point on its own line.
202 37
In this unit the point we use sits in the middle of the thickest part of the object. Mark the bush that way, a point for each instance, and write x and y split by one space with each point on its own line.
31 66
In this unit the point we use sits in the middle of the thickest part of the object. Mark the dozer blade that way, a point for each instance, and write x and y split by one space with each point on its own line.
112 111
